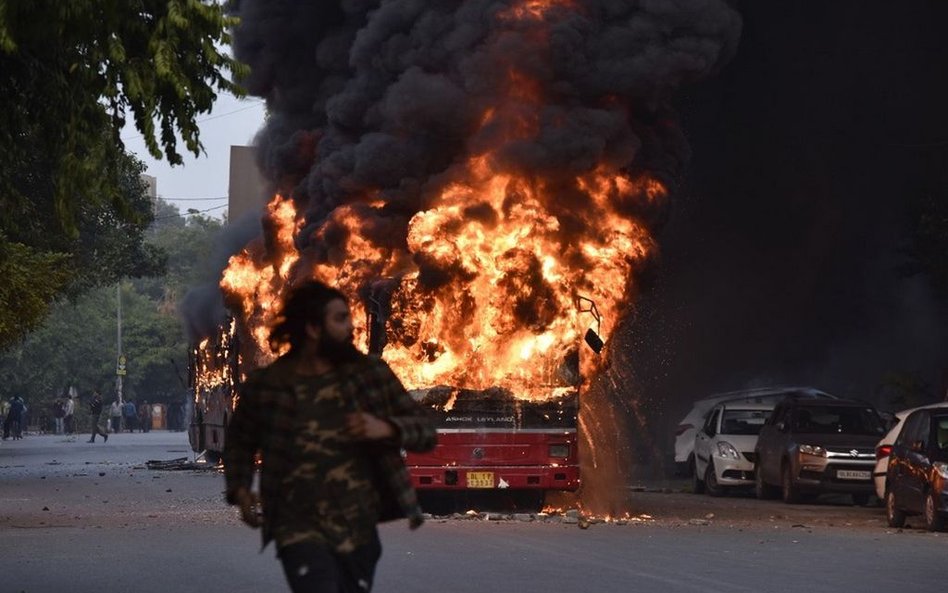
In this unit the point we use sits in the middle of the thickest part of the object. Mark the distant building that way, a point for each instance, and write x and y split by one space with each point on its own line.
152 183
247 190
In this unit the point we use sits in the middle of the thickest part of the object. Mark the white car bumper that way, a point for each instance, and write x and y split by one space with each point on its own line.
734 472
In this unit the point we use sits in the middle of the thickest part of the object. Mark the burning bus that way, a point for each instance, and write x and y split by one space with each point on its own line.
483 180
214 372
488 439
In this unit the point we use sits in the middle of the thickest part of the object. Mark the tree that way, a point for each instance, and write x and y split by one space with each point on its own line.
74 70
186 243
72 73
39 262
31 280
75 344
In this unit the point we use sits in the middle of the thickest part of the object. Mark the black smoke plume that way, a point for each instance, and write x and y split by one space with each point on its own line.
384 98
202 308
820 150
387 101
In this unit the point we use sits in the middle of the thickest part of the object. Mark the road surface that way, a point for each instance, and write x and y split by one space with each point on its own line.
87 517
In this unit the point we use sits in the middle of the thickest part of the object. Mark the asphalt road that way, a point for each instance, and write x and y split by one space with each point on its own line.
80 517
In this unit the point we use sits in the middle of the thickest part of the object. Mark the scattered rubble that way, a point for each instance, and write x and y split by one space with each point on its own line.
180 464
566 517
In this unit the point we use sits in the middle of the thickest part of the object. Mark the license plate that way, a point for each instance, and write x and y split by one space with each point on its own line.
846 474
480 479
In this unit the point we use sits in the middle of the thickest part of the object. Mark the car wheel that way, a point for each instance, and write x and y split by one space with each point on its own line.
893 514
861 499
934 520
762 489
711 481
791 494
697 484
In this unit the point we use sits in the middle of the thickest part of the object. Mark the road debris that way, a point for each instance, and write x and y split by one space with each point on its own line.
179 464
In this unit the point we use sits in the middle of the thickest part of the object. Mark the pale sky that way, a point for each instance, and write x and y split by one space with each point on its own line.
201 182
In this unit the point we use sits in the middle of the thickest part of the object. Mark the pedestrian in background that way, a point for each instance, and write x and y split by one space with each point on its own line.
176 415
329 423
115 416
95 411
130 414
69 418
144 416
13 423
59 413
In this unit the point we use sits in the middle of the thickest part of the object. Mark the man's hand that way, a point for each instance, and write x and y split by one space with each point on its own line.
249 504
362 426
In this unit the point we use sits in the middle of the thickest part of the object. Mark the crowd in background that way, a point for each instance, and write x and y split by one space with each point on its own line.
60 416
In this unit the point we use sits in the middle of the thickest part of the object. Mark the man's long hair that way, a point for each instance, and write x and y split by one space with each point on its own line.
305 305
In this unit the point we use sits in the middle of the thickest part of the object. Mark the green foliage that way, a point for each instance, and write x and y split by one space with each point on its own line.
73 71
108 245
76 344
30 280
185 243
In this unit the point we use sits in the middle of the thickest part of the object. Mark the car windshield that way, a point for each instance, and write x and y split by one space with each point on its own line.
743 421
837 420
941 431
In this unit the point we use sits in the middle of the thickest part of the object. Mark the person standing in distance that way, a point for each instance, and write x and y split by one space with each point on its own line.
115 416
95 414
70 411
328 423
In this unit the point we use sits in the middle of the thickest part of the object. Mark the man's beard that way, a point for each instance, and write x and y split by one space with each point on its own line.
336 352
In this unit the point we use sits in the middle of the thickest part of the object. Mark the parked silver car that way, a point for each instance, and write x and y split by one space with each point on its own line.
724 447
696 417
811 447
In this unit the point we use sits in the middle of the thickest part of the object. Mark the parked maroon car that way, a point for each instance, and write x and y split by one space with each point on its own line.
917 478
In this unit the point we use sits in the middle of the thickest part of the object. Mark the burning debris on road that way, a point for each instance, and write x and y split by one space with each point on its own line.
566 517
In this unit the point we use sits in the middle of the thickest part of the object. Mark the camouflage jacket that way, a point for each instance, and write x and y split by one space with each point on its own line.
265 422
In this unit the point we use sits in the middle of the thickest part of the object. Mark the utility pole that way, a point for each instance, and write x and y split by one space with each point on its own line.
120 365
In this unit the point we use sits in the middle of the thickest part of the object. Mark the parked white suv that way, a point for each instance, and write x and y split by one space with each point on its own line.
695 419
724 447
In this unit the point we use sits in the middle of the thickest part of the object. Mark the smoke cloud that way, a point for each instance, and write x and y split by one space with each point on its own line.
784 260
202 308
382 99
378 107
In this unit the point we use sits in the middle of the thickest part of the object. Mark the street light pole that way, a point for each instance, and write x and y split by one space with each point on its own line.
120 362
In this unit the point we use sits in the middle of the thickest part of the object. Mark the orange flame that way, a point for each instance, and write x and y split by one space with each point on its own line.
258 286
520 259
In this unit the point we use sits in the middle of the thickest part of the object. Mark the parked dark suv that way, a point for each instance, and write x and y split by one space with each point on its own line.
917 478
810 447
